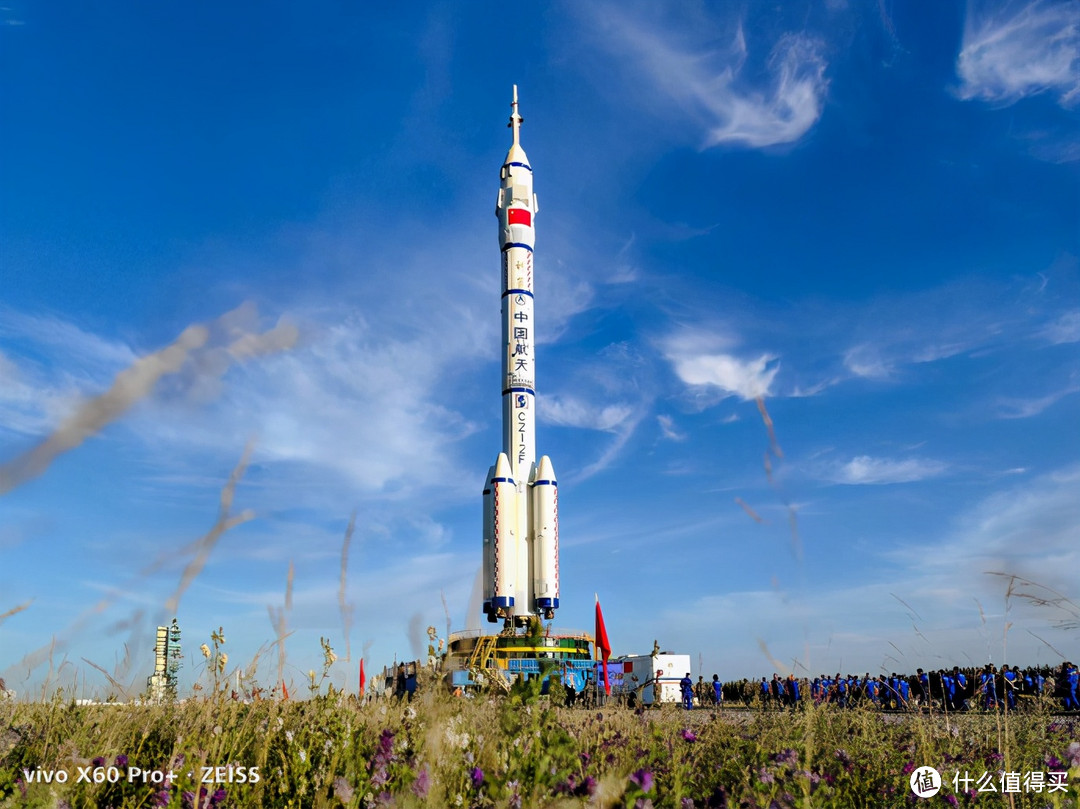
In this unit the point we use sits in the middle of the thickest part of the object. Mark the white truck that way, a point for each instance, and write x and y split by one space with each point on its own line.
640 673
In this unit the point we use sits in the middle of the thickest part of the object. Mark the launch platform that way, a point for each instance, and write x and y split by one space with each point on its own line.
476 660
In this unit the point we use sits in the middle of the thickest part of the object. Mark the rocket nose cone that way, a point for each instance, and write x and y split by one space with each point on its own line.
544 470
502 467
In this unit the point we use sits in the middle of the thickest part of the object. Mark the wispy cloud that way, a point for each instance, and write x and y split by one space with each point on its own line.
1031 529
736 105
1066 329
865 361
1026 407
137 382
1010 51
611 394
866 470
668 429
36 394
570 411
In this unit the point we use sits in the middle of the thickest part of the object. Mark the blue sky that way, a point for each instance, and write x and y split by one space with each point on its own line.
221 229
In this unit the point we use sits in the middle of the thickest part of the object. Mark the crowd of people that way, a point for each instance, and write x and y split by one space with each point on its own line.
987 688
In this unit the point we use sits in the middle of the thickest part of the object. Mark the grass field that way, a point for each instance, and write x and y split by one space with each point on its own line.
517 751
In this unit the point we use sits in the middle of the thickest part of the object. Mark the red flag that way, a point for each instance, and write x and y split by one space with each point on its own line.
363 679
602 644
284 690
518 216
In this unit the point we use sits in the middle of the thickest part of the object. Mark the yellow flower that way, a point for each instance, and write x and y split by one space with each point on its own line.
205 651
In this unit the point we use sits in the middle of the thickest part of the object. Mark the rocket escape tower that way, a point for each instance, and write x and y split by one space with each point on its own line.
521 501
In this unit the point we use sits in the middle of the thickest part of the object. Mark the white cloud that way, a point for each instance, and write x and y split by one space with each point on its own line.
784 112
1030 530
34 395
1010 52
866 361
711 83
570 411
351 401
703 359
748 379
1066 329
866 470
667 427
1022 408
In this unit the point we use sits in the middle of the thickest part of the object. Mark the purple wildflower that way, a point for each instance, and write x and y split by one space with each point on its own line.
477 777
642 779
951 800
99 761
386 741
121 761
765 777
786 756
422 783
1054 763
218 797
686 803
587 787
689 735
909 768
567 787
643 803
1073 754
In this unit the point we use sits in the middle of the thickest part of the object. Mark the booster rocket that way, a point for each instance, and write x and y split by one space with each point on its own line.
521 496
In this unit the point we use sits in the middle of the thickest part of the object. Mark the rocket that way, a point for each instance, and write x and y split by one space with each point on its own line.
521 495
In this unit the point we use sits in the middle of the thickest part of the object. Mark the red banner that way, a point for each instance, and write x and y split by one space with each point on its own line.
603 647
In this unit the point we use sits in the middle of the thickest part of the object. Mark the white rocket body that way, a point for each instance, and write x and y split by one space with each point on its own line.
521 522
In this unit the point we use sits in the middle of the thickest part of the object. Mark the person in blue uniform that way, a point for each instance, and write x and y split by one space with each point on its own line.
987 688
961 688
778 692
905 692
764 693
1009 684
718 691
948 684
1070 676
687 687
873 692
793 695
